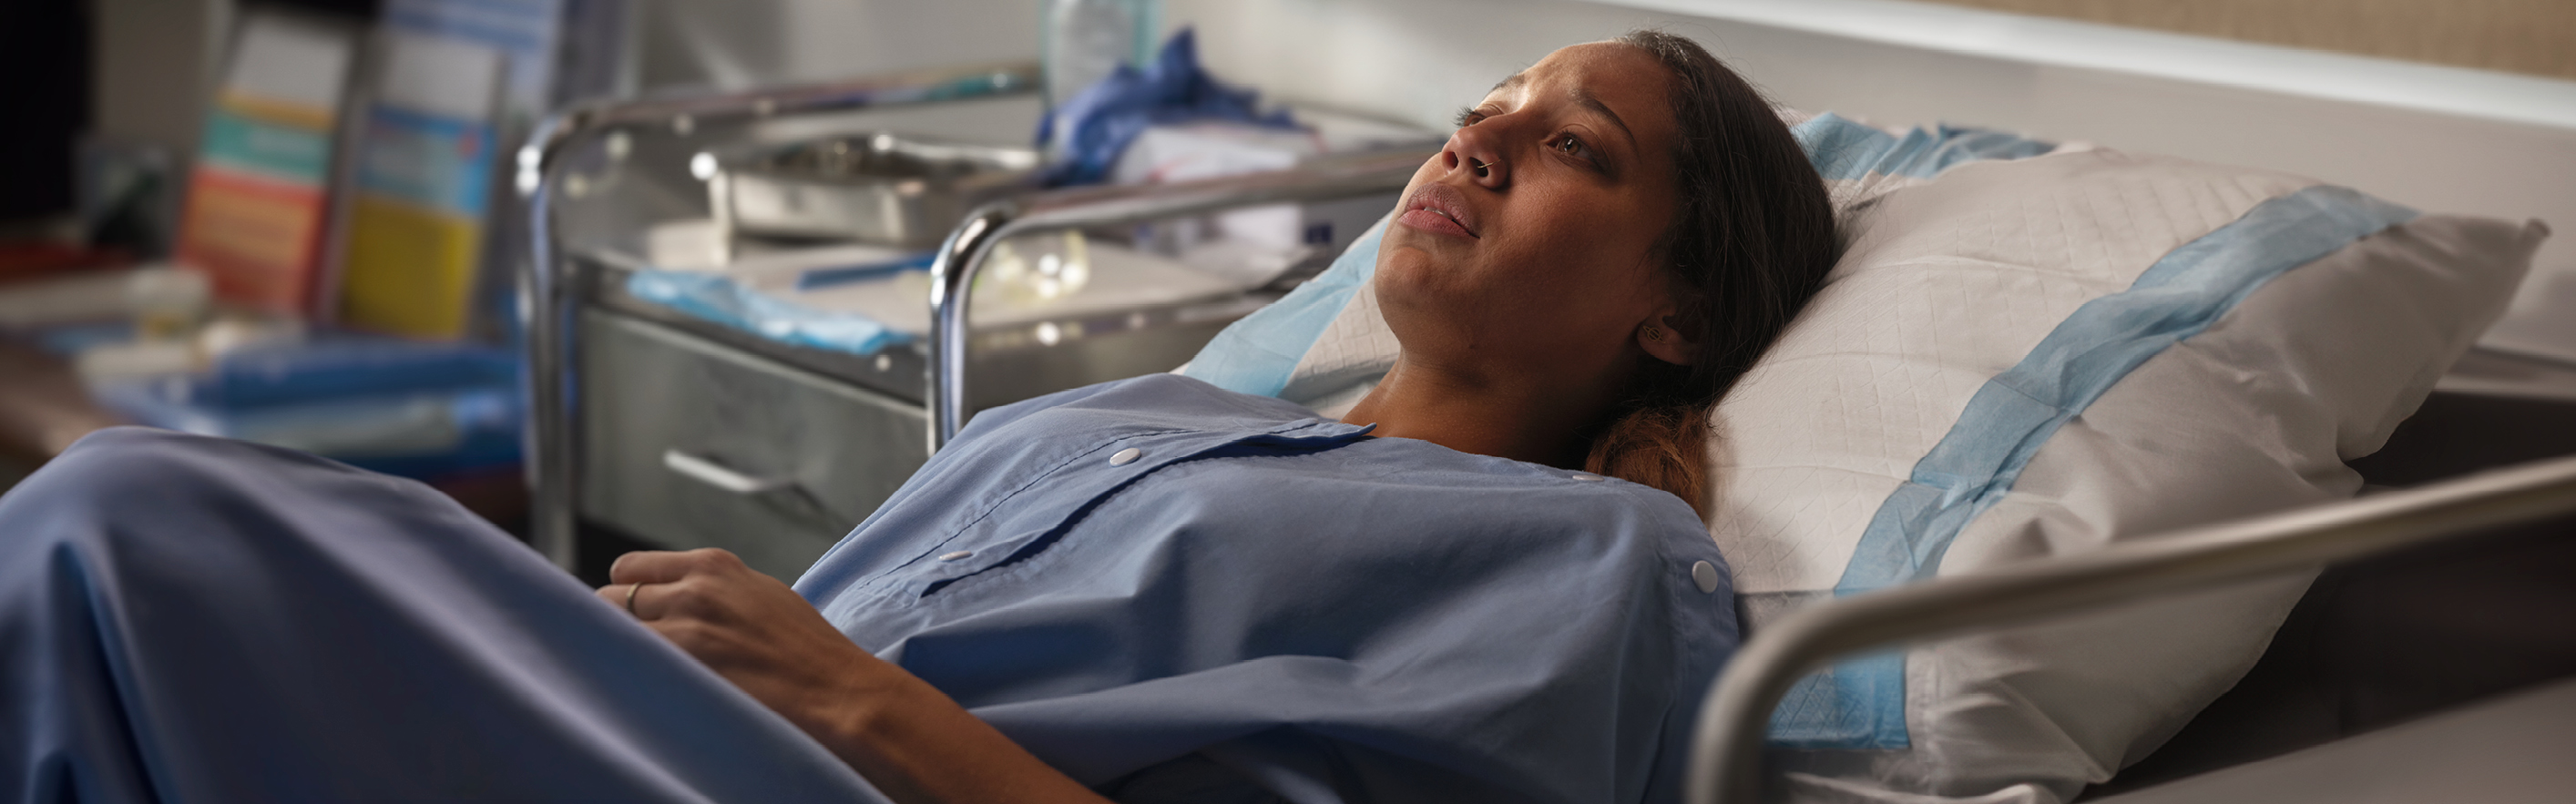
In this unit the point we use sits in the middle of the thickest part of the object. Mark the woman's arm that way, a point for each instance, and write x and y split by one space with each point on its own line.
897 731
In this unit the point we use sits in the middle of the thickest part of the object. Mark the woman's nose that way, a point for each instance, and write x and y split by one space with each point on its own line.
1479 154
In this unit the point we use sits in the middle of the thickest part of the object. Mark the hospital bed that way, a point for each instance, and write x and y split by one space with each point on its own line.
1727 752
2484 465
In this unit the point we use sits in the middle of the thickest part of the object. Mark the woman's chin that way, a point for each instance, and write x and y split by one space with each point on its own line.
1418 297
1411 277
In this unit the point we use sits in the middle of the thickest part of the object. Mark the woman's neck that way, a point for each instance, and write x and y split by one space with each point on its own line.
1479 414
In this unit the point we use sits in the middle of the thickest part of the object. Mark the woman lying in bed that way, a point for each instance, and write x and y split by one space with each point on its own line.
1146 590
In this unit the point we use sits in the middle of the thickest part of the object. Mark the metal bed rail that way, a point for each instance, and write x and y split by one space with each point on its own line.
547 293
961 259
1726 748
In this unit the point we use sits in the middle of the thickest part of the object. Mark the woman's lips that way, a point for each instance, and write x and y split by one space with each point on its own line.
1439 209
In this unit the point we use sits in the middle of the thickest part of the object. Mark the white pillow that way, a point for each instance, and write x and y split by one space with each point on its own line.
2019 358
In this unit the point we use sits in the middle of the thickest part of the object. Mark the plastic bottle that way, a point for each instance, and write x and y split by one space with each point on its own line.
1085 40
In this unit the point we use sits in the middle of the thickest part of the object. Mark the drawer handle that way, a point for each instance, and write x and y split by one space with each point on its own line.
715 474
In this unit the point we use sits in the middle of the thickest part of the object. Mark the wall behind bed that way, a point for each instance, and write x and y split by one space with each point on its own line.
2433 137
2520 36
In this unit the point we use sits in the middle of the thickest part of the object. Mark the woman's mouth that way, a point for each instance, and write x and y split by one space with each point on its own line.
1439 209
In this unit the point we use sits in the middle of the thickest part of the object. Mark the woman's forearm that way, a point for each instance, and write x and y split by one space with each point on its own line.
904 736
920 747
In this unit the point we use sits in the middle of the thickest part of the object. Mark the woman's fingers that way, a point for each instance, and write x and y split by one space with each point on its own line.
633 597
665 566
651 583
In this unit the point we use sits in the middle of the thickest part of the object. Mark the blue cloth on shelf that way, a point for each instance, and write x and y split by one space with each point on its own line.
414 409
1096 124
718 298
340 365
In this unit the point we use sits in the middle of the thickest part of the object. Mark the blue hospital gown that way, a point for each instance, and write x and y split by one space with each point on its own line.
1168 591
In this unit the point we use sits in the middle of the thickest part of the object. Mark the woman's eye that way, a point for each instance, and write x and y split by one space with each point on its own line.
1573 146
1469 117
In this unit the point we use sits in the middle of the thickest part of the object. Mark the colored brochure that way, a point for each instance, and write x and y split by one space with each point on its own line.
423 184
256 209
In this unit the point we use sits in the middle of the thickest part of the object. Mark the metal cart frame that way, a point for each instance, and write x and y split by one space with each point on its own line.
551 291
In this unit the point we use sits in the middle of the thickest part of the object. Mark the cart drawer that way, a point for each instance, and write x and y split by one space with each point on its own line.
687 443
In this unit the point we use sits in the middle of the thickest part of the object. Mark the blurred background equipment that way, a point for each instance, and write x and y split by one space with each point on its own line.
281 221
46 117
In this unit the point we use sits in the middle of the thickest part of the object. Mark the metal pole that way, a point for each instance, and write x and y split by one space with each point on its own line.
1726 750
952 281
544 296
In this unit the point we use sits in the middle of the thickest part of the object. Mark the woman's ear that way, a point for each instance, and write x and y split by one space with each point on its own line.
1668 338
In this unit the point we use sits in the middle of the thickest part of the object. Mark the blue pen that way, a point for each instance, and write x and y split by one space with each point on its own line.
827 277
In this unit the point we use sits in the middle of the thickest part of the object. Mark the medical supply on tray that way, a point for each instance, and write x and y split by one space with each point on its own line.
860 299
863 271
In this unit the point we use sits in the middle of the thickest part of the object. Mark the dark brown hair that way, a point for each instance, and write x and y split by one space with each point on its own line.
1749 246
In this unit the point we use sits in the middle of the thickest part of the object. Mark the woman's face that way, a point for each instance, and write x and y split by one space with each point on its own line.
1525 249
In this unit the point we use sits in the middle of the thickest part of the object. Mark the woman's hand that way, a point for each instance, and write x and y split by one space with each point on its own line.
752 630
904 736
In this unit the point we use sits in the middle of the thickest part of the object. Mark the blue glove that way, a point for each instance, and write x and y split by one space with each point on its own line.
1098 122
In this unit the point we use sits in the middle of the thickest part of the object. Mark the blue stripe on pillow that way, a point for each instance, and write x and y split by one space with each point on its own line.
1845 150
1861 703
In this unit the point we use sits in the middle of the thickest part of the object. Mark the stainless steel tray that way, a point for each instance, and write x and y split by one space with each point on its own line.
882 187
